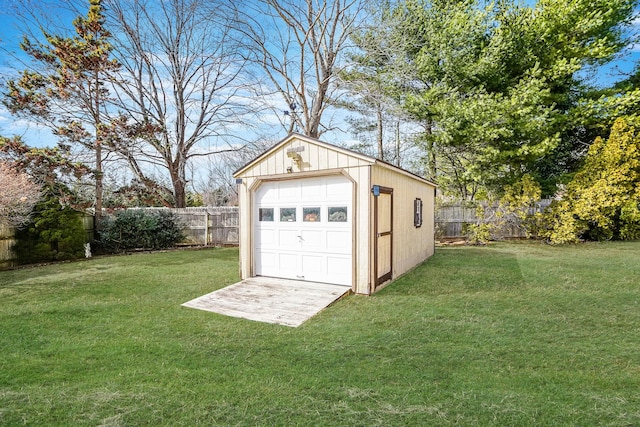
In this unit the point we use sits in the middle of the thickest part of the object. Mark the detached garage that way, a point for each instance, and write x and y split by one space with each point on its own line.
314 212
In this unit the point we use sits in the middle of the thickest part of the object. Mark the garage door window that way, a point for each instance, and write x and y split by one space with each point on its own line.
266 214
287 214
311 214
338 214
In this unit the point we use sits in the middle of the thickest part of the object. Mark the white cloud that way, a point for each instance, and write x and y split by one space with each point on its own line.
32 133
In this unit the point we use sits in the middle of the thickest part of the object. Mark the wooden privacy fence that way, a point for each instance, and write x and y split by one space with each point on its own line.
7 241
451 218
215 226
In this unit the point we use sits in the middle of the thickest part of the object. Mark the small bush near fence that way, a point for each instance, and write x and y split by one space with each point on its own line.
462 220
139 229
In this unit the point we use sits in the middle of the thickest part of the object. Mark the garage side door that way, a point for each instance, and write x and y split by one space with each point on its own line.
303 230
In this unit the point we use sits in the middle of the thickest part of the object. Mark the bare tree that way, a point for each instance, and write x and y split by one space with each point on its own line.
181 86
298 44
18 196
217 186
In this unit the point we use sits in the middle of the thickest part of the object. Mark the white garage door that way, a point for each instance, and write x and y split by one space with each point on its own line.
303 230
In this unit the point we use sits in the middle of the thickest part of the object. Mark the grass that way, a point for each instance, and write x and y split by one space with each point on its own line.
510 334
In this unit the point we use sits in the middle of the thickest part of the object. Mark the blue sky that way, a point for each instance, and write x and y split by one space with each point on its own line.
33 134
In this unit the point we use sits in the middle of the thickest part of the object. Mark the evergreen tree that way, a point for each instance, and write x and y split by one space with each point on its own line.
56 232
497 83
67 92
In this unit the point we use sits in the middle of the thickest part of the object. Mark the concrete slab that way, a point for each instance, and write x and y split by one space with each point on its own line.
270 300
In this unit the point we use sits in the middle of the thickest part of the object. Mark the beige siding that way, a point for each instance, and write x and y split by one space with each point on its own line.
411 245
323 157
313 158
246 227
362 235
332 159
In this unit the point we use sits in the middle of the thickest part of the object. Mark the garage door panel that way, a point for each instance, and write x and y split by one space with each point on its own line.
309 233
312 240
313 192
288 238
268 259
288 190
336 266
338 263
266 238
312 264
288 263
337 188
339 241
268 194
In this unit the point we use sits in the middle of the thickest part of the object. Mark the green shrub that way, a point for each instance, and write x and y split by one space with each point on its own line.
602 202
516 207
55 233
630 220
519 201
478 233
139 229
561 226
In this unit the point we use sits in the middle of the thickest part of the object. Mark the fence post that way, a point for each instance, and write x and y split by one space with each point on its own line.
206 227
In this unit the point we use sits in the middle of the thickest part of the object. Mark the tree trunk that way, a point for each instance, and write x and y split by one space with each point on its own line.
398 143
180 194
98 213
431 153
380 134
179 183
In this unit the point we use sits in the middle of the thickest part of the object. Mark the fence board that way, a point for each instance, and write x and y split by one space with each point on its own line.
7 241
207 226
451 218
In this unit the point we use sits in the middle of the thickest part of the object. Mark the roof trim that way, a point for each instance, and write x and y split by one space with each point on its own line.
405 172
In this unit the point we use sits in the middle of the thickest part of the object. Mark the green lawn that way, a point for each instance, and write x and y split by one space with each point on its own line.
510 334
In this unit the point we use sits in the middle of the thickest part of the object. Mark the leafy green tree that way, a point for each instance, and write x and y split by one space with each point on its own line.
602 201
520 203
516 209
497 82
67 91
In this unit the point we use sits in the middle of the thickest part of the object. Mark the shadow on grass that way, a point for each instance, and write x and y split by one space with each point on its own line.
460 270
